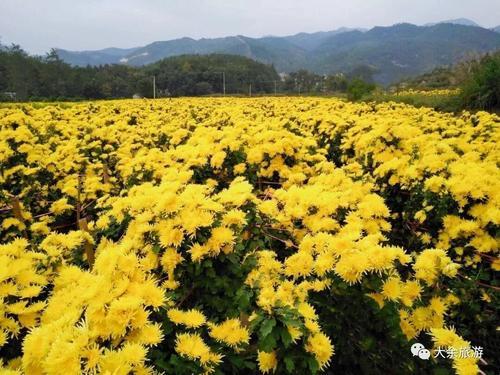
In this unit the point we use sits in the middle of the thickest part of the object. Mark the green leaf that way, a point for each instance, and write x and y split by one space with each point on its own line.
267 344
237 361
286 338
267 327
313 365
233 258
256 321
289 321
250 365
289 364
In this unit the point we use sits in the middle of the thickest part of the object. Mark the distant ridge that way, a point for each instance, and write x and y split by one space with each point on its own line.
395 52
457 21
100 57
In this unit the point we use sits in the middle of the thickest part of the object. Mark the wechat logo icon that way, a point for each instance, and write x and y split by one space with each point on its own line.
418 350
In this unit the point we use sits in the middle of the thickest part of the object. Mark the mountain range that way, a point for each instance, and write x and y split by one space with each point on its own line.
457 21
393 52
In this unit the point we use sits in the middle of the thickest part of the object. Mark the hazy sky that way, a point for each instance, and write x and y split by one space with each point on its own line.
93 24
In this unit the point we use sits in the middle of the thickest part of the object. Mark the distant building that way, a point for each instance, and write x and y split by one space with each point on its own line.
136 96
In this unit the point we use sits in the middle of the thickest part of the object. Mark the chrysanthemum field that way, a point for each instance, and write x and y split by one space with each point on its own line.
231 235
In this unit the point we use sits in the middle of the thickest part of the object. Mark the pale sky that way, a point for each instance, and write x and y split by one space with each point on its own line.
94 24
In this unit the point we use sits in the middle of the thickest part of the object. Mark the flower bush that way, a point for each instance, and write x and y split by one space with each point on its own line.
280 235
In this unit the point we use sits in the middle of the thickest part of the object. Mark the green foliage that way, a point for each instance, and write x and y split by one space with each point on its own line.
478 79
306 82
357 89
203 75
482 89
438 78
368 340
444 103
303 81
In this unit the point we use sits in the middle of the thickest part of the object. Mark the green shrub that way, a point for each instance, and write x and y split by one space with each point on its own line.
482 89
358 88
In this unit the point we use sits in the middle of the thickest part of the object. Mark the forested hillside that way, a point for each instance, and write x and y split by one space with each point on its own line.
394 52
24 77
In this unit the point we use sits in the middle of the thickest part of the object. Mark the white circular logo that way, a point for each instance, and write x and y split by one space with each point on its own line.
415 348
418 350
424 354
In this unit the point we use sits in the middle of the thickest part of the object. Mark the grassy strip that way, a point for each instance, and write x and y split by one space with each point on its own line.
444 103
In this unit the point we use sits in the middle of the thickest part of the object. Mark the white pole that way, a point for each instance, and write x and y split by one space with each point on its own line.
250 90
154 87
224 83
275 88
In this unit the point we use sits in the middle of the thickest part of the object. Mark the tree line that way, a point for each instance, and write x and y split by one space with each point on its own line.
25 77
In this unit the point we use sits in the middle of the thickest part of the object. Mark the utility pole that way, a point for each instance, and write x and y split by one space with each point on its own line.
154 87
275 88
224 83
250 90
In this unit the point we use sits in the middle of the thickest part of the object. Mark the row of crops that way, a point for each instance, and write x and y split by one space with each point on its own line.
285 235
